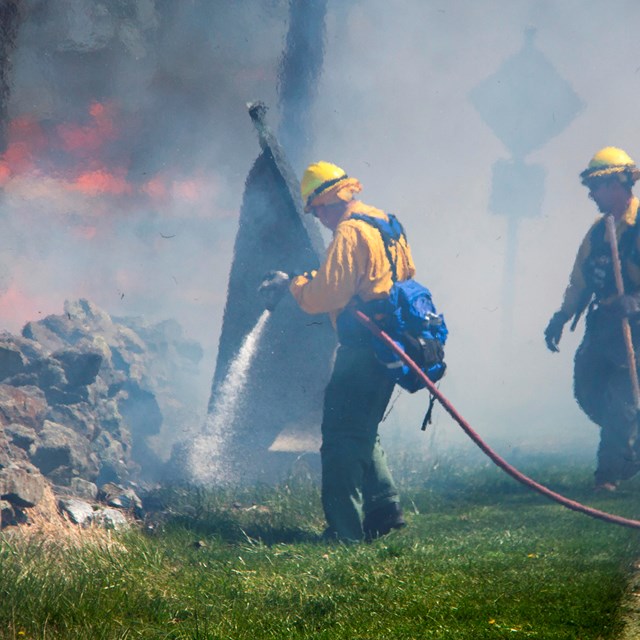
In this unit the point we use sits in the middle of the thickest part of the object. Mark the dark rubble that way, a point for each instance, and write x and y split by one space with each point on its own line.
80 395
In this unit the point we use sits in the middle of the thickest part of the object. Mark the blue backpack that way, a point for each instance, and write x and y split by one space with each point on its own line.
407 315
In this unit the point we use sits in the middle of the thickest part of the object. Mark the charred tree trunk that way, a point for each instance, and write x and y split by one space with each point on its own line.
9 21
291 367
299 73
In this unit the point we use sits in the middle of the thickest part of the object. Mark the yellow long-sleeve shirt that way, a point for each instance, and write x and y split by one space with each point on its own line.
356 264
574 295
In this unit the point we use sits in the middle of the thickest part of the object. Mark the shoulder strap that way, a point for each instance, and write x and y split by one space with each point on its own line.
390 232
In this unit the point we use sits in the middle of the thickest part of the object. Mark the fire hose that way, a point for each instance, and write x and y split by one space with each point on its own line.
499 461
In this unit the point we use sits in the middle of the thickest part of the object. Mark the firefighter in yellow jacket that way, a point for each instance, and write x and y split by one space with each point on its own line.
359 497
602 383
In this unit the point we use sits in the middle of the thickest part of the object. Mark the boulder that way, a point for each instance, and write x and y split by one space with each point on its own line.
80 367
21 487
117 496
61 454
82 488
21 435
24 405
90 399
12 361
85 514
78 511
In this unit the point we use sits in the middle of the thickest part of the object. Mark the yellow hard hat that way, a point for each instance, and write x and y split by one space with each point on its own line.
319 177
608 162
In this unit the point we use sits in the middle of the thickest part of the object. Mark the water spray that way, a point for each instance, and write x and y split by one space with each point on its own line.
209 455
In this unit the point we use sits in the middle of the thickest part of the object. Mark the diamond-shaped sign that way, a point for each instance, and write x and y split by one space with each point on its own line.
526 102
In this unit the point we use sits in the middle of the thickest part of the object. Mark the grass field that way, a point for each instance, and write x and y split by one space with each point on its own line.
482 557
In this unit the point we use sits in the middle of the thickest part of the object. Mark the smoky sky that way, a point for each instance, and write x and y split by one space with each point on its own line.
136 207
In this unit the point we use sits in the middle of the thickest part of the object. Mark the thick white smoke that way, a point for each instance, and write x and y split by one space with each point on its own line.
393 108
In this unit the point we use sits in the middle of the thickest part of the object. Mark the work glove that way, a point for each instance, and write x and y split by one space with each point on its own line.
553 332
625 306
273 286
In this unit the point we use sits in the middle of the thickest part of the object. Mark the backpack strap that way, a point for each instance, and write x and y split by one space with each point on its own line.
390 231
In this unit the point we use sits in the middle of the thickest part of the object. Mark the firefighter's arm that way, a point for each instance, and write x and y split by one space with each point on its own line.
577 290
335 282
576 298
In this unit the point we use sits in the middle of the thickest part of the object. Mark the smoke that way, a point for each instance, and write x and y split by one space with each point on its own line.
394 110
127 147
129 144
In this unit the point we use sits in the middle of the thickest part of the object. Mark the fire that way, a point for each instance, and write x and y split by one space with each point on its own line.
76 174
26 140
101 181
187 189
92 158
156 188
32 150
87 140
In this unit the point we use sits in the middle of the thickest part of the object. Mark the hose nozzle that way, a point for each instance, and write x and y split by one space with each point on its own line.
272 288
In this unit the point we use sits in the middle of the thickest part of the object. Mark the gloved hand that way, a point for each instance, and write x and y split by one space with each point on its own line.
273 286
553 332
624 307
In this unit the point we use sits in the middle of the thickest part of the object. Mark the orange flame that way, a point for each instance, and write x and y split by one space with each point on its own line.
87 140
100 182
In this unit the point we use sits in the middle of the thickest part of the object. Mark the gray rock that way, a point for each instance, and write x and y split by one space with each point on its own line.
80 367
42 334
21 487
20 435
25 405
57 396
117 496
80 417
29 349
110 518
83 488
12 361
49 373
7 514
114 465
85 392
78 511
61 447
85 514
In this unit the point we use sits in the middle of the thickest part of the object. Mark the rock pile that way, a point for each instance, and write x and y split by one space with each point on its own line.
80 395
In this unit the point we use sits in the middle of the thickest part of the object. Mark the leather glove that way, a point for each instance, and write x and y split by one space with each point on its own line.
624 307
273 286
553 332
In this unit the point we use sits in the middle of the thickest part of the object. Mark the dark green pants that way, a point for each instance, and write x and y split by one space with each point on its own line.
355 477
602 388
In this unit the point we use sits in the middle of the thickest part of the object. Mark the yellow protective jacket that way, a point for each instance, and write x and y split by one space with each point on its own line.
576 295
356 264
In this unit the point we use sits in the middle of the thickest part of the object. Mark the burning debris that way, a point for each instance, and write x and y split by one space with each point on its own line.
81 394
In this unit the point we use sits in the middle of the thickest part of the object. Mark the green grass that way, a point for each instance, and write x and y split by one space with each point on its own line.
482 557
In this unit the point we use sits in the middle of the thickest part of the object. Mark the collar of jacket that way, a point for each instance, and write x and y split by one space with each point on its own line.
361 207
630 215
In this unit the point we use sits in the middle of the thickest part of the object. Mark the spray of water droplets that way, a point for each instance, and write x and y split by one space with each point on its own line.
209 459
